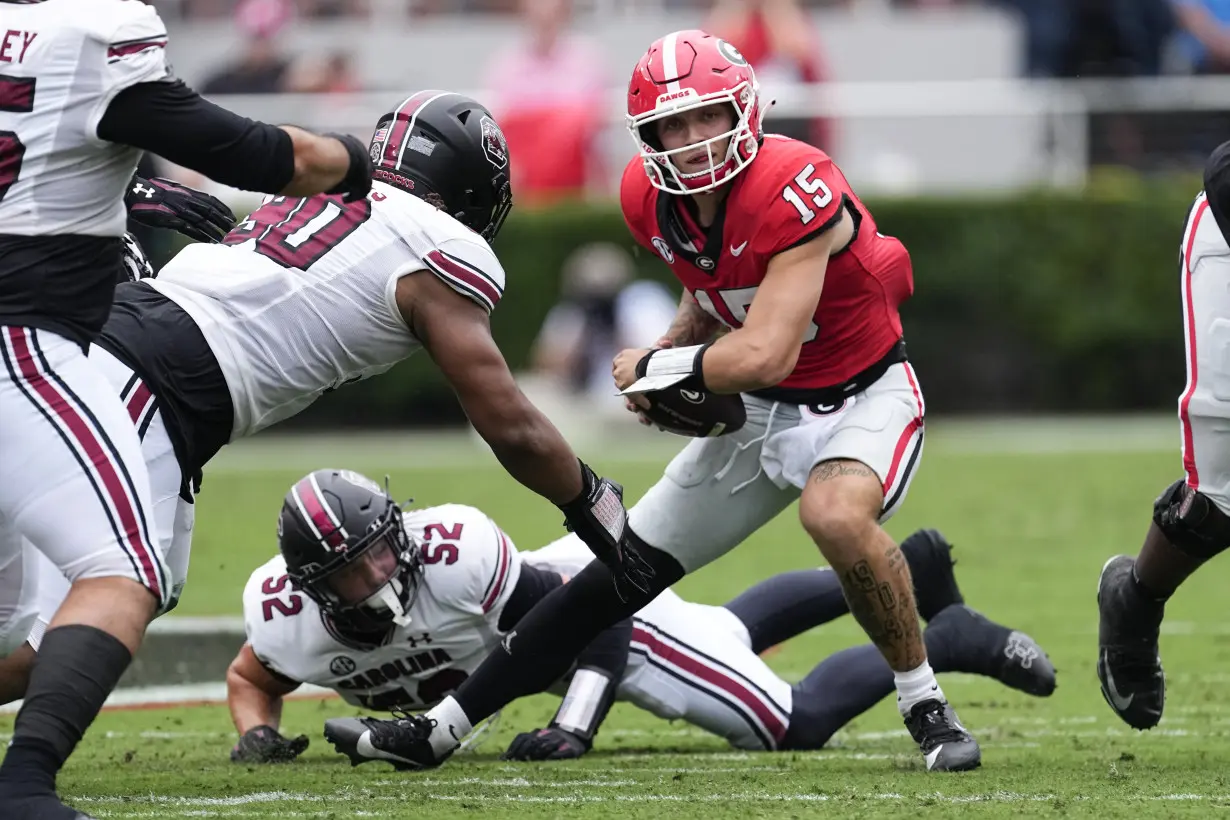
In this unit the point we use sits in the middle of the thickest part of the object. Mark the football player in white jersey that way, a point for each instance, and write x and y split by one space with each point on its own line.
86 87
1191 518
309 294
394 610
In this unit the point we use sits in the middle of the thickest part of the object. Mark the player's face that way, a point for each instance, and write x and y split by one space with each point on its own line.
366 575
696 126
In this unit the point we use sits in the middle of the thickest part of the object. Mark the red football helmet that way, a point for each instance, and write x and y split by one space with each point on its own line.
686 70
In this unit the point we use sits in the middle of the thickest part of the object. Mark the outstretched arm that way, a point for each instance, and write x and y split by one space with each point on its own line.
457 334
254 694
170 119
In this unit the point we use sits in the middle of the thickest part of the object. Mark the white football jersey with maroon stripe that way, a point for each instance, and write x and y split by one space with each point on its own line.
61 64
470 570
300 297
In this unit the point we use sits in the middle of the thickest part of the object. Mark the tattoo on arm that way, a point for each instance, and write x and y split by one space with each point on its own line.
691 325
826 470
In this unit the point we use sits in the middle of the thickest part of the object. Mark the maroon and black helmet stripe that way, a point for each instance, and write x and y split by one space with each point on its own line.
403 122
315 510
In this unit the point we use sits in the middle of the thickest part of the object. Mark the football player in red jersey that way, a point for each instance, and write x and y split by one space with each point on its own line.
769 241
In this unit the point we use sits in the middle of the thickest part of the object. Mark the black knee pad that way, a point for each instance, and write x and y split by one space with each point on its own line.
1191 521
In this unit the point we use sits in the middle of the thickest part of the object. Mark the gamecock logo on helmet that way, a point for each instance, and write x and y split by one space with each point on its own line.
494 144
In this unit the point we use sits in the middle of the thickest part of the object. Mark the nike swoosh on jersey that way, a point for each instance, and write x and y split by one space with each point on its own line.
1117 700
735 250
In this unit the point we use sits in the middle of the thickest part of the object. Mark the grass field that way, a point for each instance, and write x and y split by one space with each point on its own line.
1033 517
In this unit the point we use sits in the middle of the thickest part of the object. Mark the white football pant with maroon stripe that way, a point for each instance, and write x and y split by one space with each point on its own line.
718 491
74 481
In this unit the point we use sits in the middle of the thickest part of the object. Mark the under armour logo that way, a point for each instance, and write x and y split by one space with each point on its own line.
141 189
414 642
1019 650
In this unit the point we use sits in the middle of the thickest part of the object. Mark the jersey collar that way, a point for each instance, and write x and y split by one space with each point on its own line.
673 225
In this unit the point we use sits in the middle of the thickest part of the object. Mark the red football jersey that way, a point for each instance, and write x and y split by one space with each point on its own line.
789 194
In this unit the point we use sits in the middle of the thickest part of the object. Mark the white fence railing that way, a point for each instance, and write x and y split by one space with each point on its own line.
891 137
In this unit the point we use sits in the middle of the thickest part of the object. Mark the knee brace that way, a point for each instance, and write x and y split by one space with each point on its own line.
1191 521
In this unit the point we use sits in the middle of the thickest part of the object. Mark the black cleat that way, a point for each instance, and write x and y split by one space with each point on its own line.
41 807
1129 664
404 741
935 585
981 646
944 742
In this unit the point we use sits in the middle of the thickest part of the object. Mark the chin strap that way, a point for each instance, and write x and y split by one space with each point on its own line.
389 597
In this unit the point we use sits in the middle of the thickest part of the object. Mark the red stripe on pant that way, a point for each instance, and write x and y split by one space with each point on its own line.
140 400
715 677
1189 316
914 426
116 495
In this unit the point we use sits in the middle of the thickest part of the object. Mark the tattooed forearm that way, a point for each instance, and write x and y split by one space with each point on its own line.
691 325
827 470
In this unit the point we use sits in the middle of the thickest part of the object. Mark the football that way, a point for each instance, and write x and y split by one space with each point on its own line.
695 413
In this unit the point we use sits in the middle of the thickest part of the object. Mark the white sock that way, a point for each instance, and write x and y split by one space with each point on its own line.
451 726
915 686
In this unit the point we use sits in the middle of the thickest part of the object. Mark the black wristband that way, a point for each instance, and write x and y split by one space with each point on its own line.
588 479
358 179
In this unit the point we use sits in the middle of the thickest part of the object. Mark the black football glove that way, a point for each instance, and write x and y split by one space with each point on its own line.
552 743
358 180
264 744
598 516
164 203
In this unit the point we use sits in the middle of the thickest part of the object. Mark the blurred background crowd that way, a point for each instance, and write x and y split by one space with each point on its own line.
941 103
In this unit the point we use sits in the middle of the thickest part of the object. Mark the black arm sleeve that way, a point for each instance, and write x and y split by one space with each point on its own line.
609 651
533 585
174 122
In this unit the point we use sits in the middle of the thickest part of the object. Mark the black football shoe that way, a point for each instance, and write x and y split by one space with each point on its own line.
935 585
403 741
944 742
974 643
1129 663
41 807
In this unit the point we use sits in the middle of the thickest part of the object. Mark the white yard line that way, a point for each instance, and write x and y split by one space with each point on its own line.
154 696
264 798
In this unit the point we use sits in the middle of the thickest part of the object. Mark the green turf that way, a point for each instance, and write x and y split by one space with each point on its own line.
1031 530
